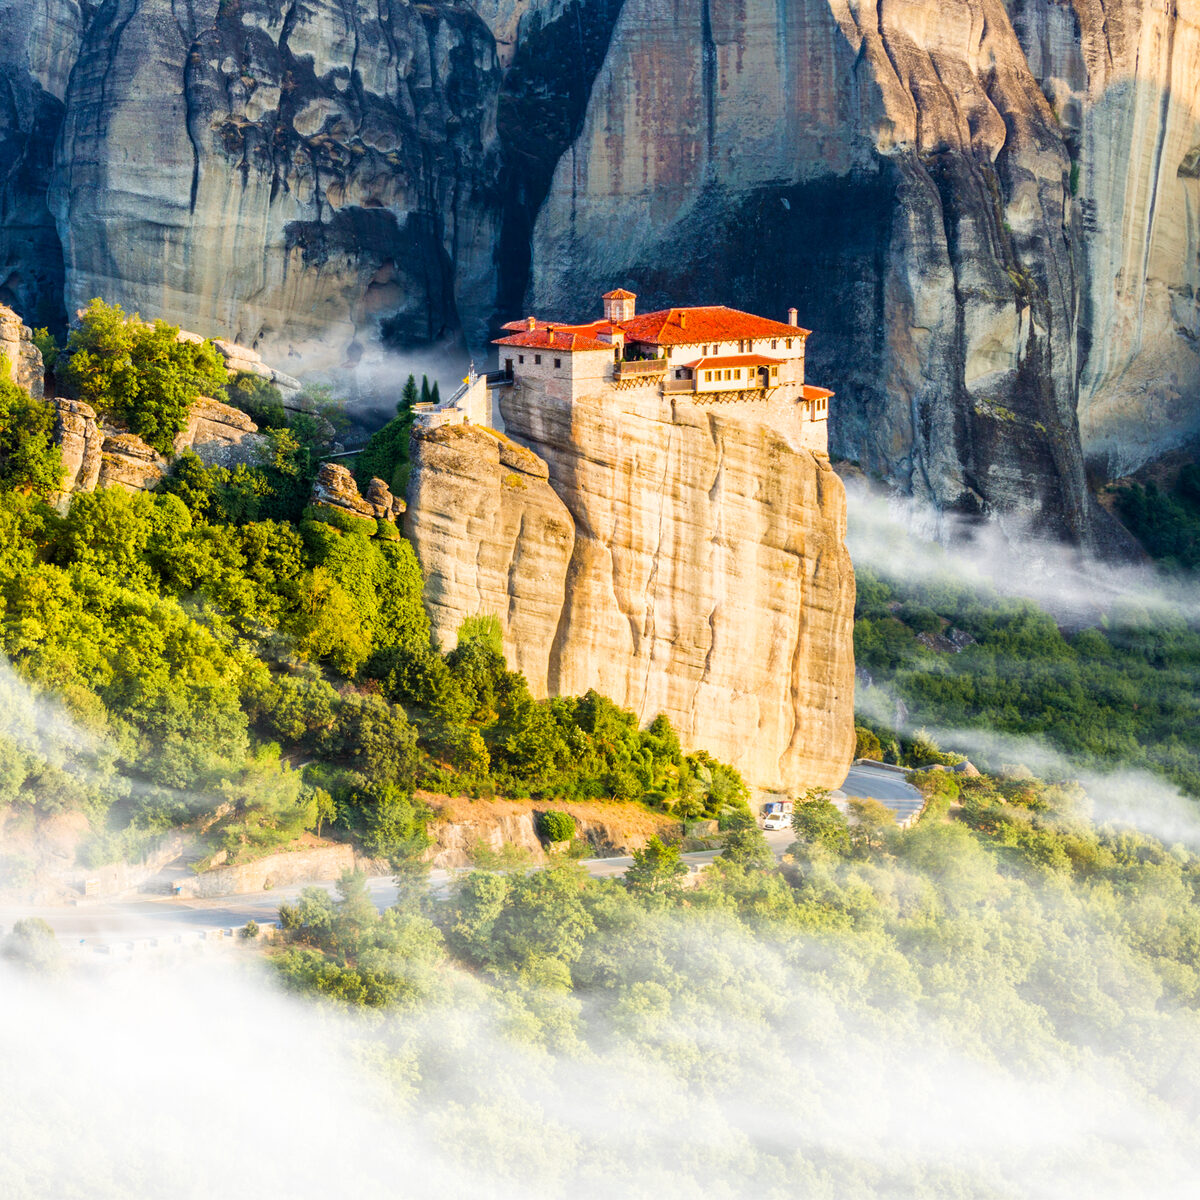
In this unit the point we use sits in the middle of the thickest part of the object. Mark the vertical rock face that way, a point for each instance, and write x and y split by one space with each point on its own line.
709 580
679 561
893 170
24 359
986 209
1122 79
492 538
306 177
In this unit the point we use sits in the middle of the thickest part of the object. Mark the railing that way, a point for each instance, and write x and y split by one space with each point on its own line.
496 378
679 386
637 368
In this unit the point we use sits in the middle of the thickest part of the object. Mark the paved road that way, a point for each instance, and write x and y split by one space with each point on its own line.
92 924
135 923
889 787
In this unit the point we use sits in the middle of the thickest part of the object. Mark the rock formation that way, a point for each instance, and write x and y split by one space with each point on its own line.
78 435
94 456
334 487
680 562
492 537
23 357
986 211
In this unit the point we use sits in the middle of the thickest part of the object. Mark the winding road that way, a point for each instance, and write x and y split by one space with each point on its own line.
155 922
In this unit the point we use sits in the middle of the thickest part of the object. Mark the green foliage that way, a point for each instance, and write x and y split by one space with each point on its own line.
142 375
657 870
1119 693
385 455
45 341
485 630
820 825
1166 523
30 462
31 944
556 826
258 398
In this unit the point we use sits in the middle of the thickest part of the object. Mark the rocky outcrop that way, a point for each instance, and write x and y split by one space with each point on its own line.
81 442
334 487
23 357
127 462
219 433
492 538
678 560
95 456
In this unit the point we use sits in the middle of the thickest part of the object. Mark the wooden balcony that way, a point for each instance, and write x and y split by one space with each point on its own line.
675 387
639 368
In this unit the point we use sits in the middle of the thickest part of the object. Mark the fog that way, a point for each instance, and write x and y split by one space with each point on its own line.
909 540
197 1079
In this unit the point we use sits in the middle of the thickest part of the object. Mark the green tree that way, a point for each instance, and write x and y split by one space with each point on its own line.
818 823
556 826
30 462
32 944
746 845
657 870
143 375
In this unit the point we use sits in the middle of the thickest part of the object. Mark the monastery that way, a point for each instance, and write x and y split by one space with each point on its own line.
711 355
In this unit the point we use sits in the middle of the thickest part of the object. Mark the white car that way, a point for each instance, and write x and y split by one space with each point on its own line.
776 821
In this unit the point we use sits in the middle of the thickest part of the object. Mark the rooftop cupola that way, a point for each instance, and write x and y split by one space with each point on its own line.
619 305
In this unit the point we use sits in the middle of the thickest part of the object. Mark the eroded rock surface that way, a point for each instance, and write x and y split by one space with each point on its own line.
985 209
709 579
23 357
493 538
676 560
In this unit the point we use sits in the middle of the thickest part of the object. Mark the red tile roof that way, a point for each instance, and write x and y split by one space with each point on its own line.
589 329
815 393
619 294
713 323
735 360
561 339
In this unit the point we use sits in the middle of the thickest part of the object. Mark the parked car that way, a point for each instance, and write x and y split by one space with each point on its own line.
776 820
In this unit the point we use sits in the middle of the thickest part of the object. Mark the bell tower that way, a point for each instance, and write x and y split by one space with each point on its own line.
619 305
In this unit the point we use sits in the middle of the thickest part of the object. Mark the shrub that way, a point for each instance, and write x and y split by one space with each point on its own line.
141 374
555 826
30 462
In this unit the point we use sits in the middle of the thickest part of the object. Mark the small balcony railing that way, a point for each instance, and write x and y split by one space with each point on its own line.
639 368
679 386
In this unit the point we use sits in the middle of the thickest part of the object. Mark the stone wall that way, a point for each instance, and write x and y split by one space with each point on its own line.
276 870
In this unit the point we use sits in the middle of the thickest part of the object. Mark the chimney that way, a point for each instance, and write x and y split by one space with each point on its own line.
792 315
550 331
683 320
531 323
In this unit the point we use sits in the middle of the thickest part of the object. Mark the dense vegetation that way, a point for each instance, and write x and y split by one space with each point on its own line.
1120 693
1167 523
1004 938
234 659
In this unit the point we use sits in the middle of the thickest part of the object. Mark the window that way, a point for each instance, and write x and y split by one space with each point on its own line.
789 343
520 358
537 358
558 362
774 343
728 373
738 373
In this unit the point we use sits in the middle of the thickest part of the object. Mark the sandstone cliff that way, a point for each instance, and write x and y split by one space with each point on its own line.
986 210
492 537
676 560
